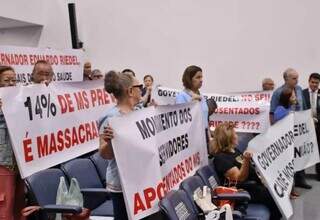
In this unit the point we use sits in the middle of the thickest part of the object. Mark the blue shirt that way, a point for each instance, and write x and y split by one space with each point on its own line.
112 174
280 113
185 97
276 98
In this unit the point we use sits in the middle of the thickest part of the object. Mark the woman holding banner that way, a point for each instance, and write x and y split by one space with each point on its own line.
232 166
192 81
127 90
11 185
286 100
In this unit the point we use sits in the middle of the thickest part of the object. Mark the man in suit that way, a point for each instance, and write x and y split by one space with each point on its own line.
311 97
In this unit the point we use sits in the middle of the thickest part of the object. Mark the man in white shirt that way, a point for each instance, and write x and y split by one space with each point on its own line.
311 97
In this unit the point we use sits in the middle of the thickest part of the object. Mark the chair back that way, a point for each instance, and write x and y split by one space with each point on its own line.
85 172
42 189
190 186
208 176
176 205
101 165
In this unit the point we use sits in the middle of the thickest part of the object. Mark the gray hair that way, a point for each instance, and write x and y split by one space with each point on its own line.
116 83
286 72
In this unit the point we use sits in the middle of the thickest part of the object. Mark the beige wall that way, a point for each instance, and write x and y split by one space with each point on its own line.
237 43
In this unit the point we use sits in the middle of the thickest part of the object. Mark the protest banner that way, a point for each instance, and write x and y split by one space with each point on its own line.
156 148
248 111
164 95
273 158
306 152
51 124
67 64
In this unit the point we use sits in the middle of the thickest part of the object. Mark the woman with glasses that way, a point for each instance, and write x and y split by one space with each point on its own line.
127 90
11 185
234 167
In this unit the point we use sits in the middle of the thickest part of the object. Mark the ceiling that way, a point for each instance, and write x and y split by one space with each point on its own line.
6 23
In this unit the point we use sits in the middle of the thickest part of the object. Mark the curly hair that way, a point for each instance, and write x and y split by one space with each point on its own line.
117 83
223 137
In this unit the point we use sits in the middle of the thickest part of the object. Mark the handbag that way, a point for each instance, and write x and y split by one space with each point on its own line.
222 189
216 214
202 198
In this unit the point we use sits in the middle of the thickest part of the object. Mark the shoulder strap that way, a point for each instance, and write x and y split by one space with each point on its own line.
100 123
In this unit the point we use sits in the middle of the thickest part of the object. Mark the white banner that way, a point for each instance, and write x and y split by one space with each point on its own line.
306 152
273 156
164 96
248 111
156 148
67 64
51 124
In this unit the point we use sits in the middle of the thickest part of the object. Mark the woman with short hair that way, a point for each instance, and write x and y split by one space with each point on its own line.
127 90
11 184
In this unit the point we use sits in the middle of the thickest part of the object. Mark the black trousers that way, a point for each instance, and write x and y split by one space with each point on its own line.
260 194
119 207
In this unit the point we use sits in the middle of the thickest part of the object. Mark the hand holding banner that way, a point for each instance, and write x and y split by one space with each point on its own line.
248 111
155 149
51 124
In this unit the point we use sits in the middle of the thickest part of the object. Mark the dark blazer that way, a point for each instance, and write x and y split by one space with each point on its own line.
306 97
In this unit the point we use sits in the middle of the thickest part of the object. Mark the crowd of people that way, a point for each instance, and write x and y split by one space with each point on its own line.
232 164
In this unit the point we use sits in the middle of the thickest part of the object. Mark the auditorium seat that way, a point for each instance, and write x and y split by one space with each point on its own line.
42 191
96 198
176 205
210 178
101 165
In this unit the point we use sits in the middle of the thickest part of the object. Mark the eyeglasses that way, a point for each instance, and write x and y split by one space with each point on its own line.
140 86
